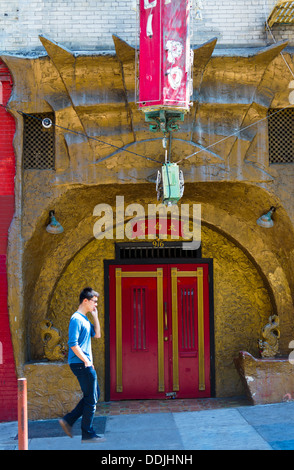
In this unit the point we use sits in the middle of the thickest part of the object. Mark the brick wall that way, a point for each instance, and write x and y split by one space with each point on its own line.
89 24
8 381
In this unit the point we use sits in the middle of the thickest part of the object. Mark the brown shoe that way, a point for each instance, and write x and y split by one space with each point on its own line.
66 427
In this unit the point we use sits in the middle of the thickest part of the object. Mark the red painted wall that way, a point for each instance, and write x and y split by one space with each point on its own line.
8 379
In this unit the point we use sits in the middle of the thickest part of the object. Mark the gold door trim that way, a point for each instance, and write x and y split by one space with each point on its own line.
201 357
119 274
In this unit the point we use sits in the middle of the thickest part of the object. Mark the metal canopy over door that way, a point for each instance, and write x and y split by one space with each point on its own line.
159 331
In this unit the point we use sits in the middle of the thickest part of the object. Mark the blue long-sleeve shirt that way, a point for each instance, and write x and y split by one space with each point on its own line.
80 332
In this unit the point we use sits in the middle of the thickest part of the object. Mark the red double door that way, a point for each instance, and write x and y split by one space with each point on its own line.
159 331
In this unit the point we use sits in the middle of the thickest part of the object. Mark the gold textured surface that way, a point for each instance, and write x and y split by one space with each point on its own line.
174 290
270 335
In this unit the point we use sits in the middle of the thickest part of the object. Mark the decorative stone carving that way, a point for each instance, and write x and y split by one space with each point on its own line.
54 349
269 344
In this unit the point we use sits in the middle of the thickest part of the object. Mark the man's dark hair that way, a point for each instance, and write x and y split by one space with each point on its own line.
87 293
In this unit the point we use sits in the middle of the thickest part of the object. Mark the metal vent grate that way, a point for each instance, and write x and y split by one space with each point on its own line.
281 135
38 145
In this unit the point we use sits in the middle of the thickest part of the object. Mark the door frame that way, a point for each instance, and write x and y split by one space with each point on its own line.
130 262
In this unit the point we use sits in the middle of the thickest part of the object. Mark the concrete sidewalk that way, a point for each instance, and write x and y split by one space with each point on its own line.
263 427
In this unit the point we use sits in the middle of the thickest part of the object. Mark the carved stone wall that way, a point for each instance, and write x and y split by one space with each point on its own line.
101 136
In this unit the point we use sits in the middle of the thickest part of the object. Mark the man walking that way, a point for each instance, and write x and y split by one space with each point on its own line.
80 360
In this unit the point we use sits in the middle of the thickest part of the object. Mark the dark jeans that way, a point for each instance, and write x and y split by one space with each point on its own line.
86 407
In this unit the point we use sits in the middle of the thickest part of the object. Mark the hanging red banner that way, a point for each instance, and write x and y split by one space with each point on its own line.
165 55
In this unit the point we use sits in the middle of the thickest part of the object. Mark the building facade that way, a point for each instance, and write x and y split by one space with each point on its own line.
173 320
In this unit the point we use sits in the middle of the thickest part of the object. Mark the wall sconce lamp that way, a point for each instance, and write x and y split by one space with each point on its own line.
266 219
54 226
